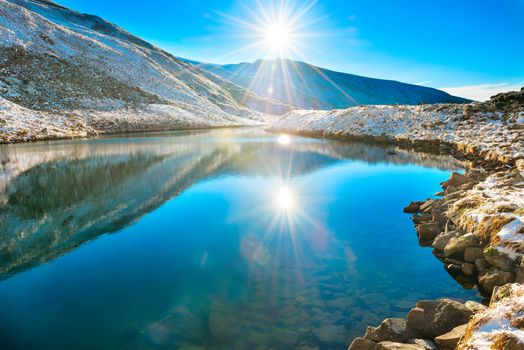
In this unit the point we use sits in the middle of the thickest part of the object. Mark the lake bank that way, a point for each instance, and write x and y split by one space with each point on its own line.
476 227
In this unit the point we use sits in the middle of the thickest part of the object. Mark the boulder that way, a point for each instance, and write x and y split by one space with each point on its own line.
392 329
419 219
442 240
499 259
362 344
388 345
426 344
474 306
449 190
481 265
413 207
428 231
449 340
456 180
520 273
457 245
430 319
493 277
427 206
468 269
473 253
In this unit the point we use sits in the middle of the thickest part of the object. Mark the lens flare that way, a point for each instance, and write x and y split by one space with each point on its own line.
285 198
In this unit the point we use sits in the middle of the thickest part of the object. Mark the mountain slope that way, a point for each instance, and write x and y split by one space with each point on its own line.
310 87
57 60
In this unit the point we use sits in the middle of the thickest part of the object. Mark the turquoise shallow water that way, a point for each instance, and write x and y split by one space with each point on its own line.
229 239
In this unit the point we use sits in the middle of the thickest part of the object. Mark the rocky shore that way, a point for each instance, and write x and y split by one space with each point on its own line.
475 225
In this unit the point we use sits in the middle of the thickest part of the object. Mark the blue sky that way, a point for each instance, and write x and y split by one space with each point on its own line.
474 46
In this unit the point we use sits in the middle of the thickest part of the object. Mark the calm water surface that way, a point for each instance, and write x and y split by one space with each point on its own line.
229 239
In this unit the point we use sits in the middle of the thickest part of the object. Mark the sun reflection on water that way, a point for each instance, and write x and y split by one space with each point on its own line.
285 198
284 139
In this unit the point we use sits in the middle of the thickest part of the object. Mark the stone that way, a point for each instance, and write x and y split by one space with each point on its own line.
442 240
439 217
456 180
481 265
419 219
454 267
430 319
413 207
449 190
474 306
427 205
449 340
388 345
468 269
520 273
428 231
331 333
520 164
426 344
457 245
283 335
221 320
362 344
493 277
473 253
392 329
499 259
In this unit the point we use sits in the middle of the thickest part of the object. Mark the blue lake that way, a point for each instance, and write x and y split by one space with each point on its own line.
225 239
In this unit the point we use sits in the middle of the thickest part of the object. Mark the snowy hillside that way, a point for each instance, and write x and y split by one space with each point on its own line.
55 60
310 87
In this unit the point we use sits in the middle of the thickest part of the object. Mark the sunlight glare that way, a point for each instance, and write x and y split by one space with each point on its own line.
285 199
277 36
284 139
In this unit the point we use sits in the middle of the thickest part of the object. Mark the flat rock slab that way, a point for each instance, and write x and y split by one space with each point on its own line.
450 340
389 345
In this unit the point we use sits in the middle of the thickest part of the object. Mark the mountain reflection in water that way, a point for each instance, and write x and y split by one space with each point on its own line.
56 196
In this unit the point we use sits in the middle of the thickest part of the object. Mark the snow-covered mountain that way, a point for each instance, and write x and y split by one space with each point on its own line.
310 87
53 59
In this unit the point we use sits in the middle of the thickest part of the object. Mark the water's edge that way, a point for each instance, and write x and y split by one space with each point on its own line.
425 327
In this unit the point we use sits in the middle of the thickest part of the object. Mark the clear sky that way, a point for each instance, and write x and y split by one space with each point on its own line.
475 47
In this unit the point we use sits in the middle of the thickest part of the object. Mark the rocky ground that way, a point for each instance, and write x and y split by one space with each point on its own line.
475 224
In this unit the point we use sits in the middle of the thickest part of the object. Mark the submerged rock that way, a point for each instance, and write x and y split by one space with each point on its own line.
331 334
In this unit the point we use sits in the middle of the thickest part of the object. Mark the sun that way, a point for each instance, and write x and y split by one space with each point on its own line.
275 29
277 36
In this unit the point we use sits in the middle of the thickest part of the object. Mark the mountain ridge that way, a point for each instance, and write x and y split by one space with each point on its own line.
306 86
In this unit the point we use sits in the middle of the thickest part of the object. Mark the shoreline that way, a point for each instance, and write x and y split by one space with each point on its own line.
475 226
